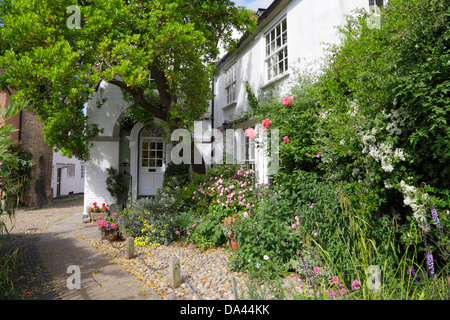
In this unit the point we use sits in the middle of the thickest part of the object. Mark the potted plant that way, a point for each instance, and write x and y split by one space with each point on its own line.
228 231
109 226
103 209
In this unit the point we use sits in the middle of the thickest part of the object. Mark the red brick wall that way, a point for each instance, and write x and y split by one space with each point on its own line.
32 140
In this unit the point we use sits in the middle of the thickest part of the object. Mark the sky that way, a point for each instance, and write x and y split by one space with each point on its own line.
253 4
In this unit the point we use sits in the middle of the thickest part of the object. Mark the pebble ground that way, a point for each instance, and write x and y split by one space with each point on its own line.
206 275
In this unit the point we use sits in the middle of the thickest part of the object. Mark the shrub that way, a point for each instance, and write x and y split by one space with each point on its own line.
177 174
265 238
153 221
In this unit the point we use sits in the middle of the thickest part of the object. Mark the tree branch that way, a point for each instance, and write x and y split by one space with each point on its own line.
138 97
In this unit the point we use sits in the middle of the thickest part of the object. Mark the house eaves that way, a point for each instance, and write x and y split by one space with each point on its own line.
275 8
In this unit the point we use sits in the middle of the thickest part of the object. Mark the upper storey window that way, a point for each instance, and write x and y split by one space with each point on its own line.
230 84
276 50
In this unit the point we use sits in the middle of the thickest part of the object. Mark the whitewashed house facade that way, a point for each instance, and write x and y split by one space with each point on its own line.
288 31
291 35
68 175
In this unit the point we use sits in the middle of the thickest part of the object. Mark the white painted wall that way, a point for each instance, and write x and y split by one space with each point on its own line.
105 150
310 24
104 154
68 184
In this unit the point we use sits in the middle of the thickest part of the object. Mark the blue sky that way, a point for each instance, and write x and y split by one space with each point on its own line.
253 4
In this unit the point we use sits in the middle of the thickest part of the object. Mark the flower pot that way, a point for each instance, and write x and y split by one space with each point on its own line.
111 236
234 244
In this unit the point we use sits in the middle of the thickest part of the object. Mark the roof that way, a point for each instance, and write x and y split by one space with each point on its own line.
262 14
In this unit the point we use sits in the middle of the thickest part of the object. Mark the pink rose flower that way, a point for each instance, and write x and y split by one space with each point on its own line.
250 132
286 139
266 123
288 100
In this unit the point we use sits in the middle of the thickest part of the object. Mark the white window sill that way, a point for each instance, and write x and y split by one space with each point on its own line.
276 79
229 105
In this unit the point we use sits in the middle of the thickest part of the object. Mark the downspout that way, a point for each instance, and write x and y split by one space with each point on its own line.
212 114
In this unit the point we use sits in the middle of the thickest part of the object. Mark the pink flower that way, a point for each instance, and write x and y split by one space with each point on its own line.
115 213
293 226
333 280
245 214
356 284
318 155
288 100
250 132
286 139
266 123
316 270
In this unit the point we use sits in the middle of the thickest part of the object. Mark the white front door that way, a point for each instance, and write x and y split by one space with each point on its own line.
151 165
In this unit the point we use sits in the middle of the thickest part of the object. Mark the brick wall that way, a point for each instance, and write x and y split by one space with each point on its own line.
31 138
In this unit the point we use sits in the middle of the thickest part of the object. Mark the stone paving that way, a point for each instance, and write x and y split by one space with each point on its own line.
52 238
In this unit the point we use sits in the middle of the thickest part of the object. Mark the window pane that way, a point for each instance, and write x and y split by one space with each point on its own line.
151 163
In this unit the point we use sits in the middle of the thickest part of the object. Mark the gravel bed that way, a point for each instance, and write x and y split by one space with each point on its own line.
207 272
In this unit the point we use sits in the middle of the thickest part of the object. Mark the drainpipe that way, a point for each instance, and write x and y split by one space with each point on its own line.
212 114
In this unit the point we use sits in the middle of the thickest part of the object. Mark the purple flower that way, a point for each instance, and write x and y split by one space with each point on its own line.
434 215
430 262
412 272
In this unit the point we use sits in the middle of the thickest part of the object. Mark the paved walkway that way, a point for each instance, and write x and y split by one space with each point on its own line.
63 245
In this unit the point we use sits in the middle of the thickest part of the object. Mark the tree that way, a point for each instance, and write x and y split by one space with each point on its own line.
57 61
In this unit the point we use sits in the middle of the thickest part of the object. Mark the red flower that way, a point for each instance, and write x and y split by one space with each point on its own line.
94 204
104 208
266 123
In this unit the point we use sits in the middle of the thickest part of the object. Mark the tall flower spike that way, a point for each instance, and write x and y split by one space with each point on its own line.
434 215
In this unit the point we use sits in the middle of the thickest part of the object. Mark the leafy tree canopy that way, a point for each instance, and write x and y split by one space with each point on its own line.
57 67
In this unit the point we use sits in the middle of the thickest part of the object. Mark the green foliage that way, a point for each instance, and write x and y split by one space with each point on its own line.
298 121
177 174
116 185
124 43
265 238
152 221
8 289
16 178
207 233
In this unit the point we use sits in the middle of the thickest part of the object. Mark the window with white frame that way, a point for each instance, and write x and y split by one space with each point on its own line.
230 83
276 50
250 152
375 5
83 171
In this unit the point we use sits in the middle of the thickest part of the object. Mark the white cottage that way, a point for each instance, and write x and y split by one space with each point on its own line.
290 35
288 31
67 175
